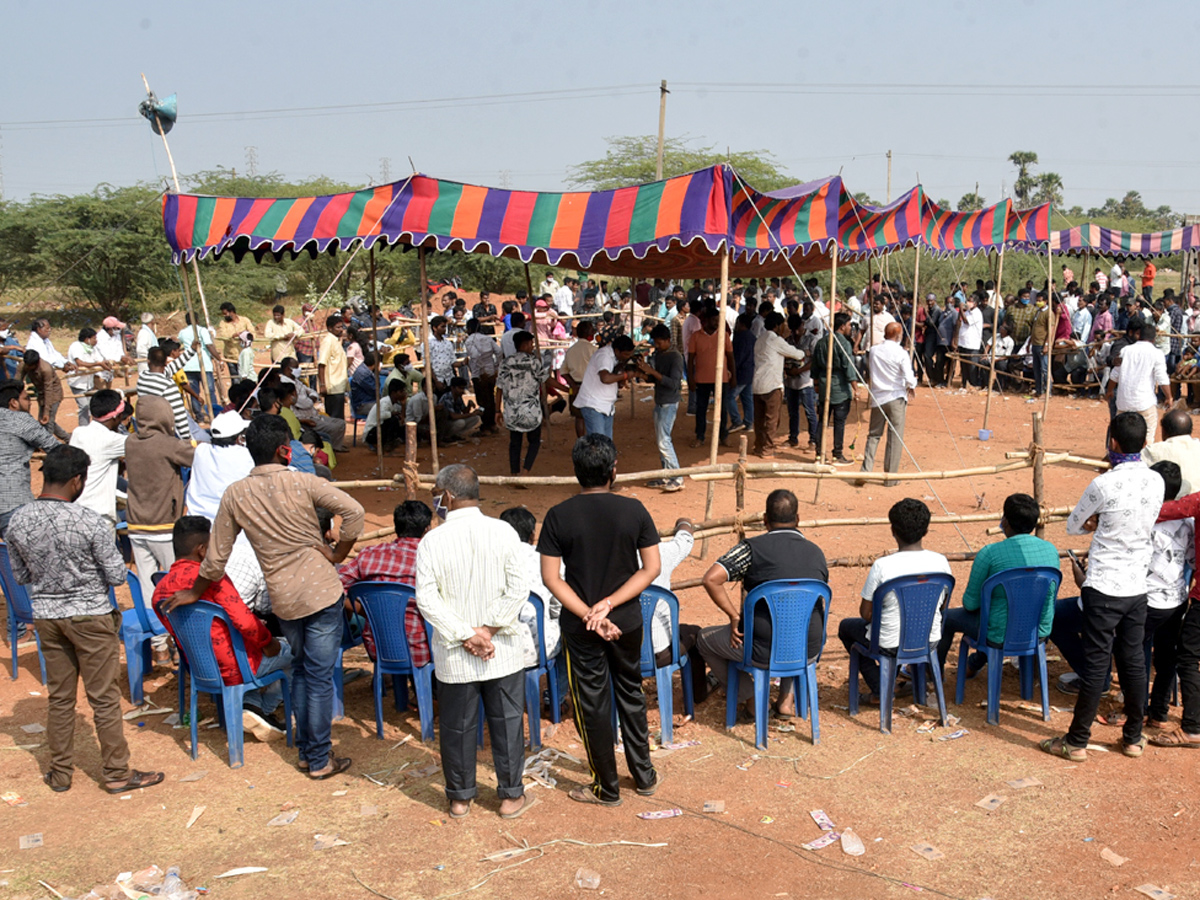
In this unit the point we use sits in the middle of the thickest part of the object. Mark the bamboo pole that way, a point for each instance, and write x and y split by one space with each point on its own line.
987 409
433 446
718 386
739 487
824 421
1052 316
1039 463
912 327
412 481
998 469
205 392
375 347
632 382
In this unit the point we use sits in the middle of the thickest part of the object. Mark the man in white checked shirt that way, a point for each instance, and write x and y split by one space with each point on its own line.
471 583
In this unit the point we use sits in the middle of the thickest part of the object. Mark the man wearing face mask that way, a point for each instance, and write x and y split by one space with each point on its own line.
1020 317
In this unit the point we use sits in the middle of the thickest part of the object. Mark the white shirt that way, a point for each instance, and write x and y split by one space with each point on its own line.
417 408
918 562
564 301
551 611
1128 499
879 323
247 576
594 393
970 332
1004 346
1174 550
549 286
769 352
111 346
1143 367
1184 451
507 348
671 554
45 350
891 373
483 356
1115 276
213 470
79 351
388 408
146 339
104 448
471 572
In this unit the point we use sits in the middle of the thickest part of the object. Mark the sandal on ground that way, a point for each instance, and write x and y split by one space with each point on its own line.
1176 738
58 788
659 778
778 713
135 782
585 795
1160 724
460 815
1059 747
529 803
1116 719
1133 751
339 765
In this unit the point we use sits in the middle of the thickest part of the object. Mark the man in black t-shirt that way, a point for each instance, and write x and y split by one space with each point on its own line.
598 536
782 553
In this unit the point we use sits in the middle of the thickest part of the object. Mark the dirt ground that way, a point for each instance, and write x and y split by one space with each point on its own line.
895 791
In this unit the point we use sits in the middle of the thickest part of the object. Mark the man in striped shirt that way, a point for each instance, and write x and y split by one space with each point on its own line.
157 381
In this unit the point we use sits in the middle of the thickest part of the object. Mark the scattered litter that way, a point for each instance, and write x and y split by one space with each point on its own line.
196 813
35 693
243 870
1115 858
829 837
714 806
822 819
22 747
1097 748
325 841
288 804
766 820
340 793
125 797
1061 709
368 809
852 844
438 822
846 708
539 766
908 712
439 868
661 814
679 745
1154 892
285 818
928 851
746 764
30 841
407 738
12 798
954 735
927 727
951 721
430 769
991 802
143 711
194 776
1022 783
786 728
587 879
783 784
34 728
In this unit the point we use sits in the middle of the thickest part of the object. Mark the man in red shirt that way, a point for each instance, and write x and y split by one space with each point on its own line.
702 372
395 561
1148 273
265 652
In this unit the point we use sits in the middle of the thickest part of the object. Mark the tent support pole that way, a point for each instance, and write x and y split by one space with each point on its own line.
912 327
1052 313
187 299
987 409
433 447
378 392
632 383
824 421
718 389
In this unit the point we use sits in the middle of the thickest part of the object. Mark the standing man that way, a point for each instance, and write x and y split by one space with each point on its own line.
574 367
599 536
279 332
484 312
146 339
471 584
970 342
667 375
187 338
65 552
1148 273
110 344
228 329
1139 371
770 351
518 392
39 340
333 378
602 382
105 447
840 389
20 436
1177 446
47 387
442 354
483 363
277 509
702 372
893 385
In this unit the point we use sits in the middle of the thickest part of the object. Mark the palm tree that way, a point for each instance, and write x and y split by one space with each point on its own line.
1049 188
1024 185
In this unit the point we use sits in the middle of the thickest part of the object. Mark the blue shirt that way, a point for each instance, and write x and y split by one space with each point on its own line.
362 386
743 356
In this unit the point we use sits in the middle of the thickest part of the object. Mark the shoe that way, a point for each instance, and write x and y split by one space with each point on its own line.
840 460
658 482
793 442
1068 683
672 487
261 726
734 429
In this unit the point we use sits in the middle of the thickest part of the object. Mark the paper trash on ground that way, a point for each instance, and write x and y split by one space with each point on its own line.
991 802
1154 891
197 812
285 818
243 870
1115 858
1021 783
928 851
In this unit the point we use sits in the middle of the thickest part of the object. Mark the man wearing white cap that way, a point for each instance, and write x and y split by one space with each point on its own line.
218 465
146 339
110 344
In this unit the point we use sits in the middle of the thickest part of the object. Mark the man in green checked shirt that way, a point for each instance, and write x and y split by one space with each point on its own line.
1019 549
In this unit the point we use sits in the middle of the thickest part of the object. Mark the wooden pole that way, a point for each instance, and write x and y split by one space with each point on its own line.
204 391
739 487
1039 465
1052 316
718 387
433 446
987 409
916 304
412 483
662 127
824 442
375 347
632 383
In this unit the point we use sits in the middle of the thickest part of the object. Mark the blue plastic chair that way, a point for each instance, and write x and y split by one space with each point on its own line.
20 611
662 674
1026 590
349 641
192 625
138 626
385 604
533 682
792 604
920 598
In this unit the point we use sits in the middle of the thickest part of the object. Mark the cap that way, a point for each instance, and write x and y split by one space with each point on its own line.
147 318
247 336
931 296
113 322
228 424
307 307
542 304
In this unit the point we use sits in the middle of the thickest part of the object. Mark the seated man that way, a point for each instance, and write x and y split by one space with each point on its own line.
524 523
305 409
1020 548
1177 446
783 552
910 524
671 554
462 419
266 653
362 386
387 417
395 561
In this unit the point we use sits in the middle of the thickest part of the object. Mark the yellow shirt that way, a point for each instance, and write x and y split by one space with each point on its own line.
227 333
331 355
279 336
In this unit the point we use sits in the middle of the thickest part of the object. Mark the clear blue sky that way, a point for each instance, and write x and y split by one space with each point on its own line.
1106 96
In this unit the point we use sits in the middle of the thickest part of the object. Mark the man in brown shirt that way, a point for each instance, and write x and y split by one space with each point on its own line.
277 509
230 326
47 388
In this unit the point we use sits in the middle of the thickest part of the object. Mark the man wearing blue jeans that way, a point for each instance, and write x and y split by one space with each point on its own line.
277 509
667 375
597 397
744 341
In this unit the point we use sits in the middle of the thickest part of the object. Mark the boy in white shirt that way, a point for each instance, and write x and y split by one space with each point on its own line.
910 524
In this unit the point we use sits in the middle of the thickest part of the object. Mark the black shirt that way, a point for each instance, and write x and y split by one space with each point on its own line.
670 366
598 537
485 309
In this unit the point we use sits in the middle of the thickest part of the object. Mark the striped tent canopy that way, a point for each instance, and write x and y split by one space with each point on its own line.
1108 242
